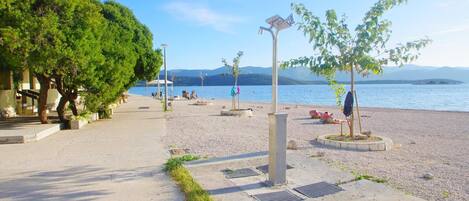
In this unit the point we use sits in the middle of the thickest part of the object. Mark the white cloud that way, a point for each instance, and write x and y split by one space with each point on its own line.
203 16
447 4
454 29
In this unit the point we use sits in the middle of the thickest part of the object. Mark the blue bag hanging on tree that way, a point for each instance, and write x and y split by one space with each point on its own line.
348 105
233 91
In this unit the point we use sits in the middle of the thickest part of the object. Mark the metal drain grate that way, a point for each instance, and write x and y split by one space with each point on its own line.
239 173
277 196
265 168
318 189
144 108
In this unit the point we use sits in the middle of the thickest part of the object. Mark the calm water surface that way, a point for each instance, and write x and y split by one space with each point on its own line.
404 96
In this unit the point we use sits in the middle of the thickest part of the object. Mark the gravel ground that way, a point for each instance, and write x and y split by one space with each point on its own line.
425 142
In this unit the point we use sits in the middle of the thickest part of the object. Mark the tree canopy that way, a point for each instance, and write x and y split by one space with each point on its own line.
337 48
87 47
366 50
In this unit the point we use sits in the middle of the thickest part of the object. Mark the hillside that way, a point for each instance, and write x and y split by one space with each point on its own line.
408 72
262 79
244 79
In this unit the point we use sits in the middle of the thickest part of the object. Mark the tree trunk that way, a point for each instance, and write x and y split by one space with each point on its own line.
61 109
352 89
73 106
68 95
42 106
239 107
236 93
233 104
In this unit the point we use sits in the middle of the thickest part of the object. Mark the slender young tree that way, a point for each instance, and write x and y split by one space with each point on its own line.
234 71
364 51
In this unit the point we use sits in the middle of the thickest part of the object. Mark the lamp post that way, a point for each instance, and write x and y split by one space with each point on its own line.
165 79
277 121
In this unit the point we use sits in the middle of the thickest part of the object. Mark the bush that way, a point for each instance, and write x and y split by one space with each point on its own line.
174 163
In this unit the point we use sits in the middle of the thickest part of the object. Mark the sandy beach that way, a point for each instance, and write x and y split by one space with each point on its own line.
425 142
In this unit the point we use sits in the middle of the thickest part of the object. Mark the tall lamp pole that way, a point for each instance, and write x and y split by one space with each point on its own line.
277 121
165 79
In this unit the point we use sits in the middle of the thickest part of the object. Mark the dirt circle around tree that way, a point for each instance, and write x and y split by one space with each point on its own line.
358 143
237 112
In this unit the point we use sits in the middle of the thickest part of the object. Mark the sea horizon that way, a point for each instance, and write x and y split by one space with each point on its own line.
451 98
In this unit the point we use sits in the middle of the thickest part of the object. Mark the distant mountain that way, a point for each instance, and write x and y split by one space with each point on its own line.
302 74
243 79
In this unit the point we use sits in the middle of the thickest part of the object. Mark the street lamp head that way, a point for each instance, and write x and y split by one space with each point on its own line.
273 19
279 23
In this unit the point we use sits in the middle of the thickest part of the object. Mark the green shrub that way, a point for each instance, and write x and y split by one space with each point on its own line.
176 162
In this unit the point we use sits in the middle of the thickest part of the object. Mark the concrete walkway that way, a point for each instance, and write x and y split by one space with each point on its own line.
118 159
25 129
305 171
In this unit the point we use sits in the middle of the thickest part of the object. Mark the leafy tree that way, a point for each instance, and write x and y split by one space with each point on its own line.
364 51
98 48
80 24
149 61
14 44
127 48
30 38
234 71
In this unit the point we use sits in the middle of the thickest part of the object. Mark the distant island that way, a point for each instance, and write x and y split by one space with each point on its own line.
436 81
264 79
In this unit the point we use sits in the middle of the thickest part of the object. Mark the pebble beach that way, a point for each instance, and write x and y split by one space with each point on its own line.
426 143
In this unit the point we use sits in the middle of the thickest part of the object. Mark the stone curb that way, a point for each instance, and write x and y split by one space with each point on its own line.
384 145
242 113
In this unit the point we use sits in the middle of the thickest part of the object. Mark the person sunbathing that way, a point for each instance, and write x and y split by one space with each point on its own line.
315 114
327 118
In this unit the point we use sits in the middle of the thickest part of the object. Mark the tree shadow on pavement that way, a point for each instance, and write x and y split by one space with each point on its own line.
72 183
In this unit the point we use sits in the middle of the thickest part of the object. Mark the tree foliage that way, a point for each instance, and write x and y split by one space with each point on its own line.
234 71
87 47
337 48
234 68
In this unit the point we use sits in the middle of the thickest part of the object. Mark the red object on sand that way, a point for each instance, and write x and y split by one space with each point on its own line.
315 114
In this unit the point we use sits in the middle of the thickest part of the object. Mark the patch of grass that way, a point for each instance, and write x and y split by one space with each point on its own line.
445 194
192 190
176 162
356 138
368 177
227 171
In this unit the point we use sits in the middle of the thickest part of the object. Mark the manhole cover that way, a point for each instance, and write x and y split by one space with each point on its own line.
265 168
318 189
143 108
277 196
244 172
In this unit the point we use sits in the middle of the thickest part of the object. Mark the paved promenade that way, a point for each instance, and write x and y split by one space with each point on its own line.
118 159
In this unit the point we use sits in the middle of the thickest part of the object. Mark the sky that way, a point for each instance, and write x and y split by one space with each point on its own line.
202 32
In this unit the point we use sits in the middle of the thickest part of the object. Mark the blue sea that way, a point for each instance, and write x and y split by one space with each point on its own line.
403 96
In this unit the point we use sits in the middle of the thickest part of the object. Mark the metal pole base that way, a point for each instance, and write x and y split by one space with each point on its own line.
277 149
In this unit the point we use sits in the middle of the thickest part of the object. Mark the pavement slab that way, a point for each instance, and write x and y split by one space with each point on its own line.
307 171
116 159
